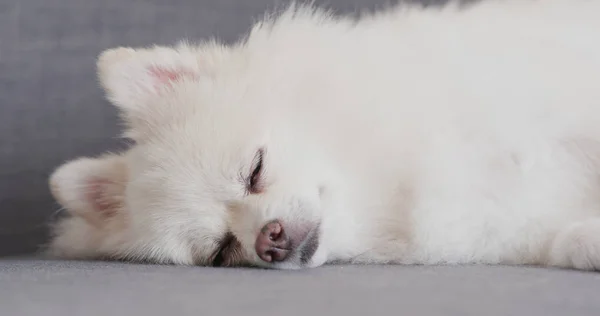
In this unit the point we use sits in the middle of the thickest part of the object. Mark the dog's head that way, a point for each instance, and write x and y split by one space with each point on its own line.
216 175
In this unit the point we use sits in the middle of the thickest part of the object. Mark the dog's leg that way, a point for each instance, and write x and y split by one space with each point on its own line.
577 246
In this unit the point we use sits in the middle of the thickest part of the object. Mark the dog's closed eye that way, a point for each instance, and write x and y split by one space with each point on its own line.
228 252
253 182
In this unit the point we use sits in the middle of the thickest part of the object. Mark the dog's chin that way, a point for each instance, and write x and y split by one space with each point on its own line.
318 259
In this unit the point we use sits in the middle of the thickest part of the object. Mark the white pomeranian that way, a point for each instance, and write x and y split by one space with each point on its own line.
439 135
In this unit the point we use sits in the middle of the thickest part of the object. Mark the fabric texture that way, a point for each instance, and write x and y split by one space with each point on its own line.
55 288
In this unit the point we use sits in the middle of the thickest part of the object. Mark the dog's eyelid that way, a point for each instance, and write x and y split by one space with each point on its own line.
258 158
223 245
256 171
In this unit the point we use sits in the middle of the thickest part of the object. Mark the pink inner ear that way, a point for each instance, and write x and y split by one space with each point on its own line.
166 76
98 196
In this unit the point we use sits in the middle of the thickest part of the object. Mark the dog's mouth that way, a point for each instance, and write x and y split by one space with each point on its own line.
309 246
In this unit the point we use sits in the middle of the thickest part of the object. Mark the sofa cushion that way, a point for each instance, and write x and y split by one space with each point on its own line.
31 287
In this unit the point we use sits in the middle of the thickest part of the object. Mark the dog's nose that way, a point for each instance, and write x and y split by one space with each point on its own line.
272 243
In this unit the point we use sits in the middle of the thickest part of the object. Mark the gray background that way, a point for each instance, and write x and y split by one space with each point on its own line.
101 289
51 108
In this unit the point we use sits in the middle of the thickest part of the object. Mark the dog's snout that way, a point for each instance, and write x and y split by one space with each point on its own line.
272 243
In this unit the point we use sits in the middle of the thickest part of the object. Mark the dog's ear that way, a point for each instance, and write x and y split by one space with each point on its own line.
135 80
91 188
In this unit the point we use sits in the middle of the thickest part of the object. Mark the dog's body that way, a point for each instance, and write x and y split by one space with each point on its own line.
423 136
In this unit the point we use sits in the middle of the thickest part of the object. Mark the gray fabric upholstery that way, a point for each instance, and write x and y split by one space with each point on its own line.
49 288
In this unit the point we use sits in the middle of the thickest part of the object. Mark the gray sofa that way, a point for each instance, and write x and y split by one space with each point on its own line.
51 109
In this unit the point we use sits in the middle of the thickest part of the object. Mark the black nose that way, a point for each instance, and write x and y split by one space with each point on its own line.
272 243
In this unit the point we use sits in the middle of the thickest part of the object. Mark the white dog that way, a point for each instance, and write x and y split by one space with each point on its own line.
441 135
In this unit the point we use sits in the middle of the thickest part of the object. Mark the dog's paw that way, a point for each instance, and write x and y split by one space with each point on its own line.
577 246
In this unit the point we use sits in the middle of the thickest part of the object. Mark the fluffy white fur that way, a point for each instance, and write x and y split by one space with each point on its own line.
443 135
